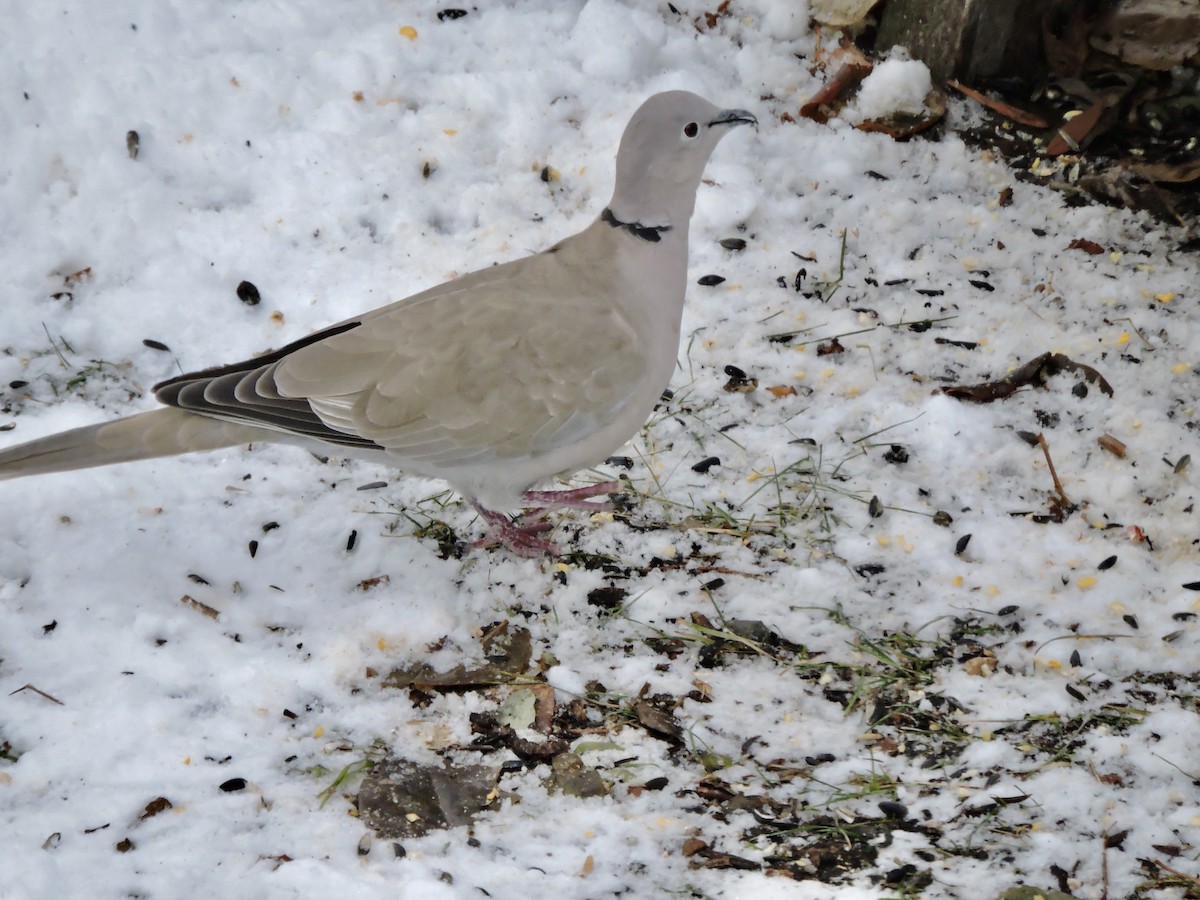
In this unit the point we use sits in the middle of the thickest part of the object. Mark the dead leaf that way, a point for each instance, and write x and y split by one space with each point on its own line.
1152 34
656 720
980 666
574 778
508 654
832 346
154 807
902 126
1034 373
848 14
711 859
1168 173
1076 132
1089 247
401 799
1065 31
739 382
544 706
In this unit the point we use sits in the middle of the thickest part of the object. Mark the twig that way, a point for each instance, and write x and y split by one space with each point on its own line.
1062 495
61 359
1184 875
40 693
1021 116
781 336
1190 775
1104 865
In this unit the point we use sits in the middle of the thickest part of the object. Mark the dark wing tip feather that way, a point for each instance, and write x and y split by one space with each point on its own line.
246 392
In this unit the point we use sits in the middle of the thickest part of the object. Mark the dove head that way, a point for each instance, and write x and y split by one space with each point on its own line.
662 157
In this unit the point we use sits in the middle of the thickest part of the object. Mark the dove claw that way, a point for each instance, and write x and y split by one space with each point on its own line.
520 534
522 540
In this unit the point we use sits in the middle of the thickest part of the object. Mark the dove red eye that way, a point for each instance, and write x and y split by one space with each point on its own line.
691 129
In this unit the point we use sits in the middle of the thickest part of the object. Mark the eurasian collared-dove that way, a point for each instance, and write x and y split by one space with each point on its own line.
495 381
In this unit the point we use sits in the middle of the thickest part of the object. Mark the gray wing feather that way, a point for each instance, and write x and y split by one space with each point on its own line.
488 368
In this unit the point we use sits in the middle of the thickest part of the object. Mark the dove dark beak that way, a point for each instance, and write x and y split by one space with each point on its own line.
734 117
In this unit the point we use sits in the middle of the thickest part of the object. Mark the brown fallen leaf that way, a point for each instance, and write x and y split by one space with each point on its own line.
1168 173
543 707
507 655
1075 133
901 127
1151 35
980 666
782 390
1089 247
401 799
712 859
571 776
1034 373
154 807
655 720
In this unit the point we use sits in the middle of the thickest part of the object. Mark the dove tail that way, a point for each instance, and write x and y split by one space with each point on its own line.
161 432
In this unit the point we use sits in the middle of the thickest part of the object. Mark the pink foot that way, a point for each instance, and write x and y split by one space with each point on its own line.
521 534
522 540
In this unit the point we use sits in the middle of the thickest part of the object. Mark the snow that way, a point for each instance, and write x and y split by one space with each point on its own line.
338 162
893 86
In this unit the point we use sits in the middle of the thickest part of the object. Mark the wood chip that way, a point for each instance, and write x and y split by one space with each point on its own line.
1112 445
1021 116
204 608
834 91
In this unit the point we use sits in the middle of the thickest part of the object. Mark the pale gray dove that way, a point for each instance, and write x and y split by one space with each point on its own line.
495 381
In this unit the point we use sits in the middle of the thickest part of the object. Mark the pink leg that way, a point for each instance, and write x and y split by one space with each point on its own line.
573 499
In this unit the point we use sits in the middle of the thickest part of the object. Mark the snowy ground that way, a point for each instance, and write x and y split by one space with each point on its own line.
1024 709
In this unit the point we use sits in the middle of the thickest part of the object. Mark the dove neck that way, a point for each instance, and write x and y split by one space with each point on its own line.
664 205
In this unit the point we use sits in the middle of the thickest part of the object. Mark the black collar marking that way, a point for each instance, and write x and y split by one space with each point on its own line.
650 233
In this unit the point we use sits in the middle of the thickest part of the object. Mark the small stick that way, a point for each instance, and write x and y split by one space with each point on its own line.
1062 495
1184 875
1104 866
40 693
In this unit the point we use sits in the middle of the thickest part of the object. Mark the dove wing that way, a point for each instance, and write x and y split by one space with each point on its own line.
507 362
